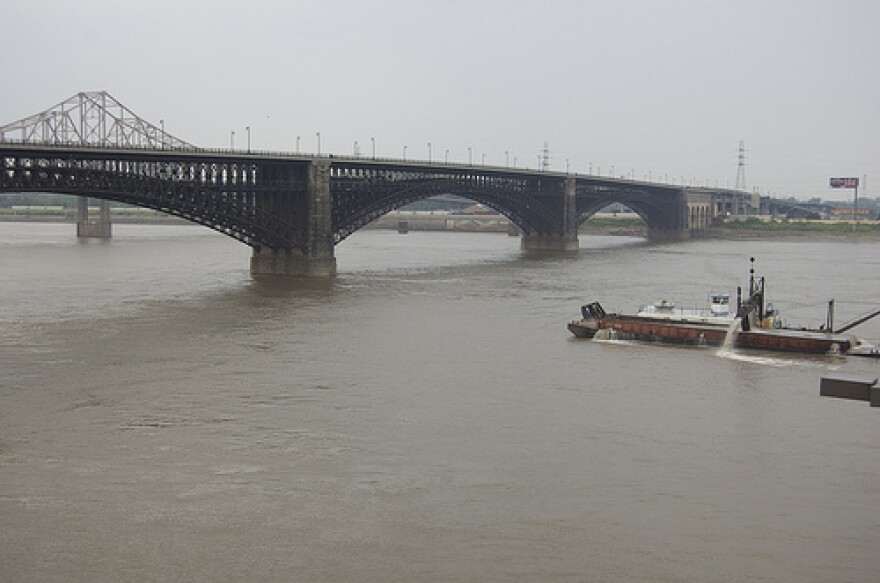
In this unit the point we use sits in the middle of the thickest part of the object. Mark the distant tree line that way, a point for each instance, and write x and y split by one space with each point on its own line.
41 199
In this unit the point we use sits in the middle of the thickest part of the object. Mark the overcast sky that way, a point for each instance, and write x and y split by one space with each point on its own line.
651 88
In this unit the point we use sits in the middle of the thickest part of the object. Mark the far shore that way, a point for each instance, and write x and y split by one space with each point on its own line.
605 225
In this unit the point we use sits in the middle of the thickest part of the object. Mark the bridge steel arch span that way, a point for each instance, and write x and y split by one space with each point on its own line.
247 199
661 207
362 193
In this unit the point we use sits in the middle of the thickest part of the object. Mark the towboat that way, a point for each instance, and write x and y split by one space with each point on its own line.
754 324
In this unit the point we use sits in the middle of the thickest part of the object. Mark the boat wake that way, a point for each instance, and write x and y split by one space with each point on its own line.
728 351
768 360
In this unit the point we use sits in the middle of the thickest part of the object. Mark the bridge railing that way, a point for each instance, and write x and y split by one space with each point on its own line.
304 156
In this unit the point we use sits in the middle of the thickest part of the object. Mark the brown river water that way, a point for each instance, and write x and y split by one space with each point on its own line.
425 416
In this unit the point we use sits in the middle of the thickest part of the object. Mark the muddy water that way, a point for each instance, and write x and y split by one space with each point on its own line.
425 416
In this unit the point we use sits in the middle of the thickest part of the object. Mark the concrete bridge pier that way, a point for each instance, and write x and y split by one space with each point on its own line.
87 229
314 258
538 242
267 262
567 239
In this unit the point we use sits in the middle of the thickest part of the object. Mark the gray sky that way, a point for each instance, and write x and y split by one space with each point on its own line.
667 88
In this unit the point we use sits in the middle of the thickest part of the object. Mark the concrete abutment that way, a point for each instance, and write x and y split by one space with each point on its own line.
661 235
88 229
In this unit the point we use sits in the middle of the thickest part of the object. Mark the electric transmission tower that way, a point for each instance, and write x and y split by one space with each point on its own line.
545 157
741 168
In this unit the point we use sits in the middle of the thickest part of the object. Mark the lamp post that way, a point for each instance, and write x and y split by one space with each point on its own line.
318 134
162 123
374 147
297 144
404 152
429 151
248 128
232 140
446 156
470 157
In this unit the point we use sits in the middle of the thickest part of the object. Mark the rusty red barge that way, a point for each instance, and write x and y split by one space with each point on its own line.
754 324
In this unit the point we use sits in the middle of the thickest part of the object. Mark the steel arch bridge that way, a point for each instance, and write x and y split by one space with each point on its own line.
293 209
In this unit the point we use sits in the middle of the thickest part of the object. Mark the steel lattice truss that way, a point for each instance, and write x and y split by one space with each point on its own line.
90 119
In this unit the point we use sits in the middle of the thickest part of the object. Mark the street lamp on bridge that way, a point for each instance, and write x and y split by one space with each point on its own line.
232 140
429 151
318 134
248 128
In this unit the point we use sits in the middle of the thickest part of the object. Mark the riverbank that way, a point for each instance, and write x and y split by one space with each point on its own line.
605 225
69 217
798 229
408 221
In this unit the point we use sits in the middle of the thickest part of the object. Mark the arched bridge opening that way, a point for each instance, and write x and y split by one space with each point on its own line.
362 195
658 207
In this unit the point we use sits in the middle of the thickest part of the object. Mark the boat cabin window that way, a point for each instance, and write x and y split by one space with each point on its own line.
720 304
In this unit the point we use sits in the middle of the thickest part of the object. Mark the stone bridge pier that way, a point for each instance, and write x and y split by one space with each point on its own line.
566 238
315 258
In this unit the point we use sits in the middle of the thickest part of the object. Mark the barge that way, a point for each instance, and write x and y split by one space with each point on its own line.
754 324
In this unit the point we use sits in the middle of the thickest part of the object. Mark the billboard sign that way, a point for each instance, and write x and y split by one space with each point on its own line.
843 182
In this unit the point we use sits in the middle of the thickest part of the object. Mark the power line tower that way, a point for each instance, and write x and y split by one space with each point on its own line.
741 168
545 157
